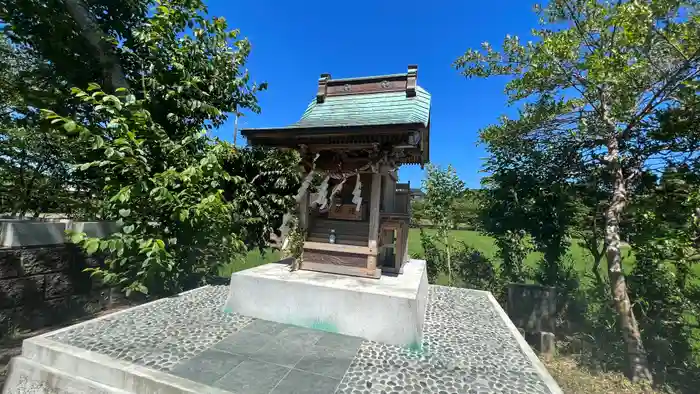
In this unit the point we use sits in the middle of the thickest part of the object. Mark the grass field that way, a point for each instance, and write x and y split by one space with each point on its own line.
581 258
253 259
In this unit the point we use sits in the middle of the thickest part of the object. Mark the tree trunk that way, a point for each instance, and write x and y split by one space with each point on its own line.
636 355
597 258
593 247
89 29
449 259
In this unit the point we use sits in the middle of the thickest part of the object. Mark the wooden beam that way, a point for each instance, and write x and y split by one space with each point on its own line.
395 217
332 147
375 199
341 270
340 248
394 176
359 130
411 77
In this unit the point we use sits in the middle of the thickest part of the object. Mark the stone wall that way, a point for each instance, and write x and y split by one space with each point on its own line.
41 285
533 309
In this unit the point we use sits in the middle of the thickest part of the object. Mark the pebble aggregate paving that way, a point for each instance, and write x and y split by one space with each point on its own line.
467 348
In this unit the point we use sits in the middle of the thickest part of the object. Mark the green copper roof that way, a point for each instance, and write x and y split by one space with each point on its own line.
368 110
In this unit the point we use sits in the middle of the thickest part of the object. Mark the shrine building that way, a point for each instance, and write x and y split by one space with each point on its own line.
355 135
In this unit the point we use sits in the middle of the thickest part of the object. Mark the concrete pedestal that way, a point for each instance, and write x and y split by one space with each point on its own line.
389 310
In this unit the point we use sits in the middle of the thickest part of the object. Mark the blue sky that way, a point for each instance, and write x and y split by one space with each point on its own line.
294 42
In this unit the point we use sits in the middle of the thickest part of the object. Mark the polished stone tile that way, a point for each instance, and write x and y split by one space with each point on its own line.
342 342
208 367
299 382
281 353
325 361
299 335
252 377
266 327
245 343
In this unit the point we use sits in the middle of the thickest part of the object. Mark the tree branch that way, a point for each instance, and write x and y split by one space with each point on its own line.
112 70
651 105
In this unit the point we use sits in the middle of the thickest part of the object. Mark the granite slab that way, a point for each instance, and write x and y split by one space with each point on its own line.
189 343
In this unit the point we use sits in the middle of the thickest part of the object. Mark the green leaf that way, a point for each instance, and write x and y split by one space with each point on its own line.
92 245
69 126
76 238
98 142
114 100
93 86
184 214
124 212
128 229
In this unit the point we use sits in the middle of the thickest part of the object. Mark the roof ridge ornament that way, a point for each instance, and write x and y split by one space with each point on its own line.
322 87
411 77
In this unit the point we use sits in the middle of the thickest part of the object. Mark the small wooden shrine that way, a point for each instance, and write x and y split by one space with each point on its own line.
355 135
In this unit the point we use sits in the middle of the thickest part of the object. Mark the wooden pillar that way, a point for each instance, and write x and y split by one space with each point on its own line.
404 251
399 247
304 211
374 198
388 192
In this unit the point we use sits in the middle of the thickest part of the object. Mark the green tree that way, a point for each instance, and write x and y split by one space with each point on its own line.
664 235
589 201
528 191
468 208
442 190
175 226
35 172
186 203
591 81
417 212
80 38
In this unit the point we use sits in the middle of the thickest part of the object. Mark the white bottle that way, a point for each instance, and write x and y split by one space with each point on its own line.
331 237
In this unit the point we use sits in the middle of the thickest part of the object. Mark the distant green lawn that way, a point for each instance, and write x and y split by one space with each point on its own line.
253 259
581 258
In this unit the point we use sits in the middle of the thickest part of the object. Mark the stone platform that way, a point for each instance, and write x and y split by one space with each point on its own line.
388 310
187 344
